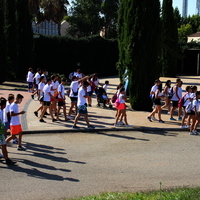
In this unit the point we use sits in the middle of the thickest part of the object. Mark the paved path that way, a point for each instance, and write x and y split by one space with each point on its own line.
68 165
100 118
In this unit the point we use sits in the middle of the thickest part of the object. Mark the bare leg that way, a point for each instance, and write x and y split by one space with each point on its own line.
76 118
4 151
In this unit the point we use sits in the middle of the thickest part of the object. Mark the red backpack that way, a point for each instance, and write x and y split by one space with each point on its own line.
182 101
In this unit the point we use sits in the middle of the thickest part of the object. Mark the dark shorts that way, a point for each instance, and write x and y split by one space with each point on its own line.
36 86
174 104
157 101
82 109
74 99
61 103
47 103
7 125
89 93
30 85
191 113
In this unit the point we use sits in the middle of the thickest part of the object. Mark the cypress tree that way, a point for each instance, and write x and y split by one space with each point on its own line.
24 38
140 43
10 36
170 40
2 43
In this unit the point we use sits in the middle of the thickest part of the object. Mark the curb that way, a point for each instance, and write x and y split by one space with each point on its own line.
85 130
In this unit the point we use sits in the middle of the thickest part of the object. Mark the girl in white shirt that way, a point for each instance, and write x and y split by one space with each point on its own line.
166 92
122 108
187 99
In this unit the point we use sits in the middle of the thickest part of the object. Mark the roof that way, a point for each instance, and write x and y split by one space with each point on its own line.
197 34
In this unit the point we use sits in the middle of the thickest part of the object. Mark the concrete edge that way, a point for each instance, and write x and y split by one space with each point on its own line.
85 130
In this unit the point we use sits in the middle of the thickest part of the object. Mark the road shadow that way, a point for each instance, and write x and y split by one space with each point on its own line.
158 132
52 156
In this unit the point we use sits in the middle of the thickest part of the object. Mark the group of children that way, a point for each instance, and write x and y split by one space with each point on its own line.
188 105
9 120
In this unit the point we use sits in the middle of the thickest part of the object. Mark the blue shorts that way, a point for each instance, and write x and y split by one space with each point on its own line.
30 85
89 93
82 109
7 125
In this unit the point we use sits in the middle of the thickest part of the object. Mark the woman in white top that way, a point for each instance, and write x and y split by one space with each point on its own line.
187 98
195 114
122 108
166 92
157 101
29 79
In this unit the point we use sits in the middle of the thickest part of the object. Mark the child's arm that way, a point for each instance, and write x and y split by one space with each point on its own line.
12 114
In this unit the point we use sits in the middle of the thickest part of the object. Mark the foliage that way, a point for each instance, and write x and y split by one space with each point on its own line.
84 18
109 9
169 40
139 44
95 54
163 194
194 21
184 31
24 37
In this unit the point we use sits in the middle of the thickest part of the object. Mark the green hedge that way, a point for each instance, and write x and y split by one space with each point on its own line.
61 54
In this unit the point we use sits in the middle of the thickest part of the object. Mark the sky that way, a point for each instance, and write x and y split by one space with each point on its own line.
191 6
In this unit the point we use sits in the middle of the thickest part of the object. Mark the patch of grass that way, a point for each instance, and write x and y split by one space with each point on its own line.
163 194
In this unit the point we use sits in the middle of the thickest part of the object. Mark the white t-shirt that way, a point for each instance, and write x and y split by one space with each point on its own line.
179 92
96 82
105 87
14 119
46 91
81 100
30 76
56 84
89 88
61 88
154 88
120 98
196 103
41 87
160 94
5 111
79 75
37 78
74 88
186 99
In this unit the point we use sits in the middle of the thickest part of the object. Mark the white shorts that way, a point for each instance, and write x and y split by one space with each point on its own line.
2 140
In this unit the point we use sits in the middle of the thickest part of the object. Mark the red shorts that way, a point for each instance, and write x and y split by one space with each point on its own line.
16 129
121 106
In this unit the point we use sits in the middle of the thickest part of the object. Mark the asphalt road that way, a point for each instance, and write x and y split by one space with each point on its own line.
57 166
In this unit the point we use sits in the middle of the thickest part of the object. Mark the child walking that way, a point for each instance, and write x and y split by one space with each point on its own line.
15 126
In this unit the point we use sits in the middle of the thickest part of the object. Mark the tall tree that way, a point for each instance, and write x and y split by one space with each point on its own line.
84 18
2 44
24 37
139 43
170 40
10 36
109 9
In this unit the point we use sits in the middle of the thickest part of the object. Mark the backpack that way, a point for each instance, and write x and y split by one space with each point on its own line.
71 75
182 101
171 93
117 102
188 108
114 98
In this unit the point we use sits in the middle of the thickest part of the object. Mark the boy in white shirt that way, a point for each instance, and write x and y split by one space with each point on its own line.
15 126
29 79
61 98
2 133
81 104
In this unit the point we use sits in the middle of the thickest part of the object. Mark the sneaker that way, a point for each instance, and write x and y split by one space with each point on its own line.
54 120
149 118
129 125
168 113
1 156
32 96
192 133
184 126
116 125
180 118
70 117
172 119
15 141
10 162
89 105
75 127
195 132
90 127
21 148
161 121
187 126
36 113
121 123
41 120
154 119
